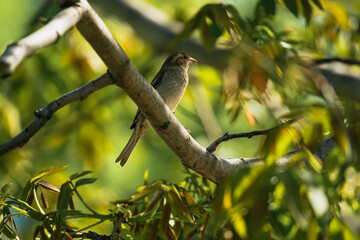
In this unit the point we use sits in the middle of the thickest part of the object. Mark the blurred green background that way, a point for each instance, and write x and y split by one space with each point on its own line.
89 134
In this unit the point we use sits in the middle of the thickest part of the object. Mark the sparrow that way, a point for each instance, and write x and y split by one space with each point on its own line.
170 82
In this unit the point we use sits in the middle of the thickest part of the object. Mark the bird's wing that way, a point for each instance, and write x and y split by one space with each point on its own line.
155 83
157 79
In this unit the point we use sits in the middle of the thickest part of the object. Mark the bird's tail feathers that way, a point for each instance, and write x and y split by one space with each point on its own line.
125 154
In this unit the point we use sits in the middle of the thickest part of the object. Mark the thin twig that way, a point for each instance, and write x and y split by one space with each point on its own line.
43 115
227 136
337 59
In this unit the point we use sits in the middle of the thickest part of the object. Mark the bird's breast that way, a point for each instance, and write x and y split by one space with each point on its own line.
173 88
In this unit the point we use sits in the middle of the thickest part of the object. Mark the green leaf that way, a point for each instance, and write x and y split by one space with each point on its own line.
156 199
205 34
189 27
292 6
71 203
36 215
5 188
269 6
79 174
165 217
235 15
39 176
27 191
64 196
293 200
307 10
44 201
53 170
37 230
146 177
281 222
9 232
177 204
85 181
146 191
318 4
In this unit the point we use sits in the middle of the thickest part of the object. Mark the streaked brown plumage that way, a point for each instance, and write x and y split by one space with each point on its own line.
170 82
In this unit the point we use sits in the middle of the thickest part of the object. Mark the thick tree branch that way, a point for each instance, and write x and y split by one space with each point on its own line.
50 33
43 115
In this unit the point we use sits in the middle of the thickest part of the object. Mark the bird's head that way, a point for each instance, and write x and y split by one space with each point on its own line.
179 59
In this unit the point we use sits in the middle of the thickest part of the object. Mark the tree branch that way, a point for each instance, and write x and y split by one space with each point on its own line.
50 33
153 29
337 59
43 115
124 74
227 136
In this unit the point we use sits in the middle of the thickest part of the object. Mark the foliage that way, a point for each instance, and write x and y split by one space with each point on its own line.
305 199
158 209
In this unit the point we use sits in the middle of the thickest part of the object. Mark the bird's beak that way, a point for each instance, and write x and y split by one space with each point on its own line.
192 60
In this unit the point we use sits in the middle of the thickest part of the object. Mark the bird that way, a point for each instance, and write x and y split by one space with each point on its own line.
170 82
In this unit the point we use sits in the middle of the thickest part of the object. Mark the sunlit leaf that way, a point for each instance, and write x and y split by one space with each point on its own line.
318 200
313 160
52 171
171 233
146 191
146 177
177 203
239 224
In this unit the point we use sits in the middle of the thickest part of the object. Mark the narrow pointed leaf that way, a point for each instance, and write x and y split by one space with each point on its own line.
5 188
48 186
8 232
64 196
292 6
53 170
44 201
85 181
146 191
79 174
